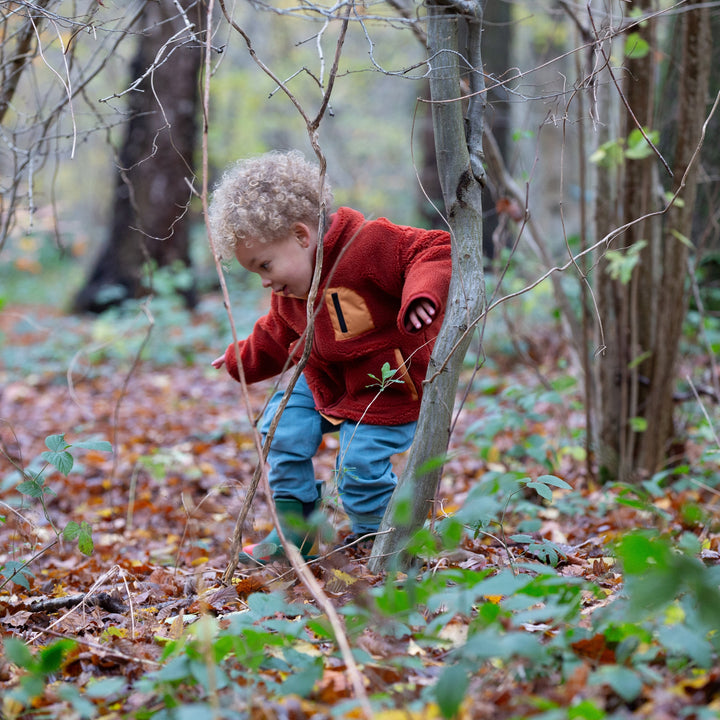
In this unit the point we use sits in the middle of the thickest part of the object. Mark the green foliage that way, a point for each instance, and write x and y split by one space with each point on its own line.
621 264
635 147
636 47
31 482
159 327
38 668
387 376
526 618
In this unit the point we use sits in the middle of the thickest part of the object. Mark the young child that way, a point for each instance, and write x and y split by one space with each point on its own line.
380 303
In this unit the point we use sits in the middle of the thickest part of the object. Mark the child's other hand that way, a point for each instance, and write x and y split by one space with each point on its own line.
421 312
218 362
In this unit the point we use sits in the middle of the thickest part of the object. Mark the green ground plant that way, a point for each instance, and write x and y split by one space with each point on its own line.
526 618
31 484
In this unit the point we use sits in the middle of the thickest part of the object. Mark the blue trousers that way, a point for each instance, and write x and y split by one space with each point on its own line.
365 476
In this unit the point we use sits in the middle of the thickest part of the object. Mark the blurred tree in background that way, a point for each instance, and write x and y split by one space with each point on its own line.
151 213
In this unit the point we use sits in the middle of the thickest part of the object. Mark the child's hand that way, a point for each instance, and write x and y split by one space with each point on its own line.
421 312
218 362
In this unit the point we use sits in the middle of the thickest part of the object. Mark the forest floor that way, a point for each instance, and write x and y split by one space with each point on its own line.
163 504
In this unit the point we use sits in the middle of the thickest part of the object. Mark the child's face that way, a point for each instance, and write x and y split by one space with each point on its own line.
286 266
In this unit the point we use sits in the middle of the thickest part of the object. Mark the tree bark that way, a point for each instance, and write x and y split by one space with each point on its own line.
458 149
665 309
643 317
151 210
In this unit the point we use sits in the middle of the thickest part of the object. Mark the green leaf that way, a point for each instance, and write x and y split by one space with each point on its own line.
16 573
387 372
99 445
679 202
638 424
51 657
585 710
63 461
104 687
541 489
450 689
554 481
609 154
637 361
17 652
638 145
56 443
85 541
640 552
302 680
620 265
521 538
624 681
82 533
682 238
33 487
451 532
683 641
636 47
81 705
504 583
71 531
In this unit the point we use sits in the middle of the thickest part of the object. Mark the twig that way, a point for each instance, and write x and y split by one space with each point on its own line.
126 382
88 595
104 650
27 562
103 600
606 240
306 577
624 100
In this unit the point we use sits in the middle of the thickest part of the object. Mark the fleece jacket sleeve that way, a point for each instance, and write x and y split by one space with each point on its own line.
427 266
265 352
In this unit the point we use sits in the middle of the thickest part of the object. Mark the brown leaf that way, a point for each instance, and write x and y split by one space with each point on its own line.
594 649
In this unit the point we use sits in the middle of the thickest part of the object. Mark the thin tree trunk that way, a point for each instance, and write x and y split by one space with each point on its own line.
665 309
459 163
643 316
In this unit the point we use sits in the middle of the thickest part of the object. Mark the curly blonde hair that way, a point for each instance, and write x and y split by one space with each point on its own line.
258 199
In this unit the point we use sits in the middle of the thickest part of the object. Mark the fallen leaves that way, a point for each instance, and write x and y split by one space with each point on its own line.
162 510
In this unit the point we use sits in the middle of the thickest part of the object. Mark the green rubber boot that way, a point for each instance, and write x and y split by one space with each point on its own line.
293 517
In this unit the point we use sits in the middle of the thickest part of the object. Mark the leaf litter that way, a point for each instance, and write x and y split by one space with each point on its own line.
162 508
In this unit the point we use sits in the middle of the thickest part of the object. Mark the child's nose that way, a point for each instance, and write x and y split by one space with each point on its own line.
266 282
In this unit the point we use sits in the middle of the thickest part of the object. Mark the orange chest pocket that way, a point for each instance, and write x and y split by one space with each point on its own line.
349 314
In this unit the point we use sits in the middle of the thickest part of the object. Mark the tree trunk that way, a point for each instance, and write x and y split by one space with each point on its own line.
668 305
150 216
497 39
642 316
458 149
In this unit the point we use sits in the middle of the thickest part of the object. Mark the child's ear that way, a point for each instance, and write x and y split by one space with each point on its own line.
303 234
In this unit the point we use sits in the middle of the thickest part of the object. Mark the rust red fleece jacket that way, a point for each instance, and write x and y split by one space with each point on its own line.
372 271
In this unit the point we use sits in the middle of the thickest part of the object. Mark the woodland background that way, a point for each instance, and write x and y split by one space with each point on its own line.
570 566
